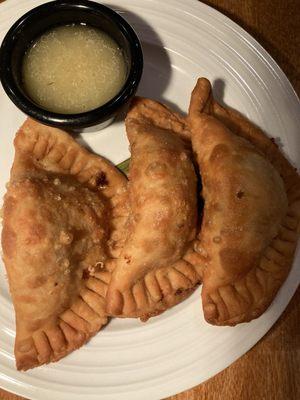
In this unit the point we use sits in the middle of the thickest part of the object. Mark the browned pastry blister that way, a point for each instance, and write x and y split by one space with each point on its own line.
151 275
63 223
251 214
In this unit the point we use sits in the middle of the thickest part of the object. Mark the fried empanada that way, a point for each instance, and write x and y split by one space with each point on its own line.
251 214
63 220
151 275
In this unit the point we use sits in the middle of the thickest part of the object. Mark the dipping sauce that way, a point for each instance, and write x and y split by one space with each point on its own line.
72 69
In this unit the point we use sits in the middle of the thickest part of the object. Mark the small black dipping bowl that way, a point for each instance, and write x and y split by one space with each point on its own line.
39 20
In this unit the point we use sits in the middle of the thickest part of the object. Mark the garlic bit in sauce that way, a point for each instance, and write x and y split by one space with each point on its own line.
72 69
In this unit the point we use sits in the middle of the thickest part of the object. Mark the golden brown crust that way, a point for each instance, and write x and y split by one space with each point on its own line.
268 147
150 275
55 151
63 211
256 213
148 111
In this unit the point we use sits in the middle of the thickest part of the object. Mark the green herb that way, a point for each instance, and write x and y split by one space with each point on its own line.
124 166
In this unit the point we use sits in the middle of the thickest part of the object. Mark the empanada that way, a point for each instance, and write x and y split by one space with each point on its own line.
251 214
150 275
63 221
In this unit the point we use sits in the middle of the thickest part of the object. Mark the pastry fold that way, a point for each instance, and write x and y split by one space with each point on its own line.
251 215
151 275
63 221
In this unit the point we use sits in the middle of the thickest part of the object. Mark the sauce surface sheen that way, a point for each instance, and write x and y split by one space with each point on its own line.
72 69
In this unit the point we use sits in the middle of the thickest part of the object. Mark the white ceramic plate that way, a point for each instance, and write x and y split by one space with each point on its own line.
177 350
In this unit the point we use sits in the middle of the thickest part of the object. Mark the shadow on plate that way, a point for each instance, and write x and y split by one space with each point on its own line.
218 87
157 73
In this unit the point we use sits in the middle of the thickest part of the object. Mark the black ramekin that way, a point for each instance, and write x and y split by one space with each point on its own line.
42 18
